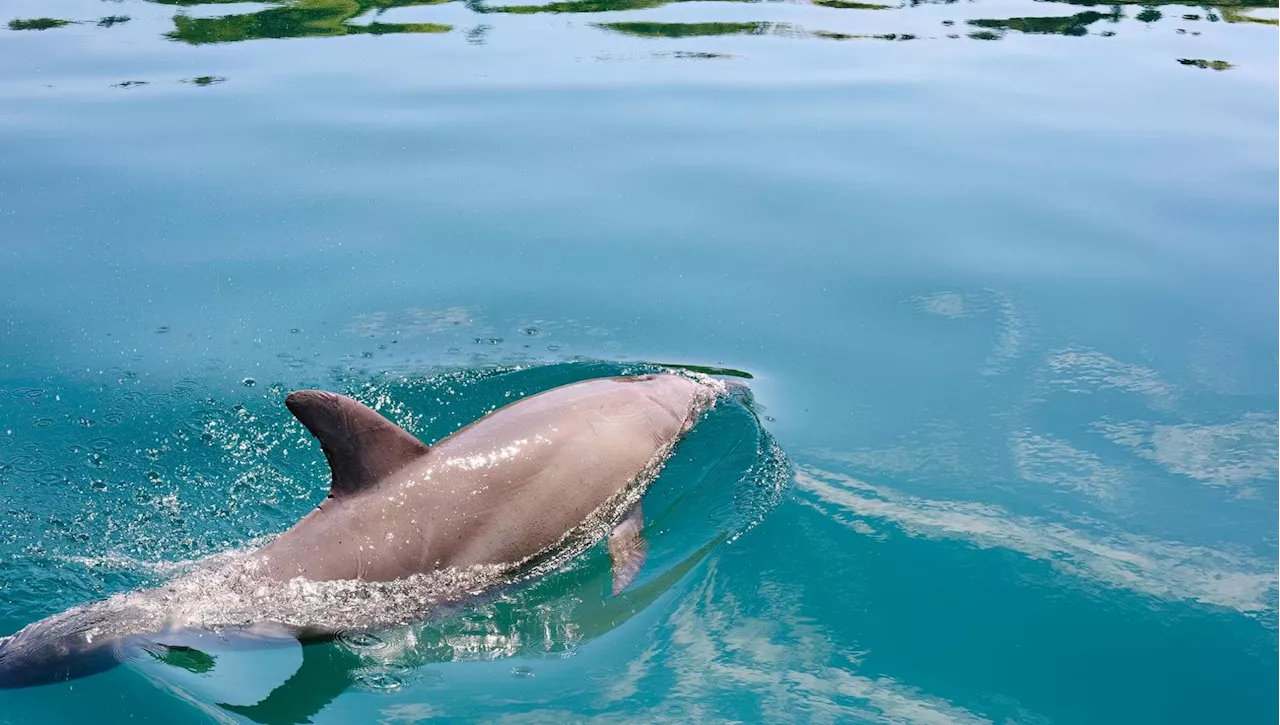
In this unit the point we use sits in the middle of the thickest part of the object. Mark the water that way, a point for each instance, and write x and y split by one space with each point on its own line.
1004 274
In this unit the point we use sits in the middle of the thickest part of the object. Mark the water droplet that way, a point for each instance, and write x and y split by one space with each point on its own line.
428 677
28 463
379 681
158 400
51 477
101 443
248 382
184 389
523 673
363 640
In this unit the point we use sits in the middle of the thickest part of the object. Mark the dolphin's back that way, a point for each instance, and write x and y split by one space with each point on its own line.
498 491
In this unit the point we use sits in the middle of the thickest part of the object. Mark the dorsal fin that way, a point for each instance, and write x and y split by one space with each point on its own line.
361 445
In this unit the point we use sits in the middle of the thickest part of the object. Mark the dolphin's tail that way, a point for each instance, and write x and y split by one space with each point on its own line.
55 650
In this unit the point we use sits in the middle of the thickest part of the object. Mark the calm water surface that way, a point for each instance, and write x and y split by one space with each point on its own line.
1003 272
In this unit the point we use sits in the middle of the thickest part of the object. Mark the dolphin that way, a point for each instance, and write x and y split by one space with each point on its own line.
405 526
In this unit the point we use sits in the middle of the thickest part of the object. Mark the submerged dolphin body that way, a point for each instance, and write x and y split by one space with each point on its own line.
539 479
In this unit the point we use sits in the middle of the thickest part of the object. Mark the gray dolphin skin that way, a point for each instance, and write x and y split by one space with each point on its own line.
565 465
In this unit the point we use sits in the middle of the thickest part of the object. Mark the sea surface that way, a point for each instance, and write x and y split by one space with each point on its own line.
1001 275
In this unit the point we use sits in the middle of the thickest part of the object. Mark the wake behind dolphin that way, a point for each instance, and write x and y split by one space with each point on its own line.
406 530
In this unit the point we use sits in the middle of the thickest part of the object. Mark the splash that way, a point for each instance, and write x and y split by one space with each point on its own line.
730 474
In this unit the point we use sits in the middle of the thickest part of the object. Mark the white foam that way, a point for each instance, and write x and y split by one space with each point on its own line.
946 304
1235 454
787 662
1011 338
1150 566
122 562
1083 370
1045 460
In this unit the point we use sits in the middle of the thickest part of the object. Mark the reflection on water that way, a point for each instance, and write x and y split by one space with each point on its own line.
1205 64
324 18
688 30
692 30
301 19
573 6
36 23
1077 24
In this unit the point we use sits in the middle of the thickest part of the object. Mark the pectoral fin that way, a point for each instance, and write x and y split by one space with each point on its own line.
627 548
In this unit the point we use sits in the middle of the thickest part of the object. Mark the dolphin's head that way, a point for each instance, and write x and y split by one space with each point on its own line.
685 398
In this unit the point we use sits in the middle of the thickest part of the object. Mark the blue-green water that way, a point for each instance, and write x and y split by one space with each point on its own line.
1004 274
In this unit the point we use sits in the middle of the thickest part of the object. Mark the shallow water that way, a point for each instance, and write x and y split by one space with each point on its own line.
1004 274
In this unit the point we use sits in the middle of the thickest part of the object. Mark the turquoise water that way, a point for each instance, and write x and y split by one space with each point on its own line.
1003 274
